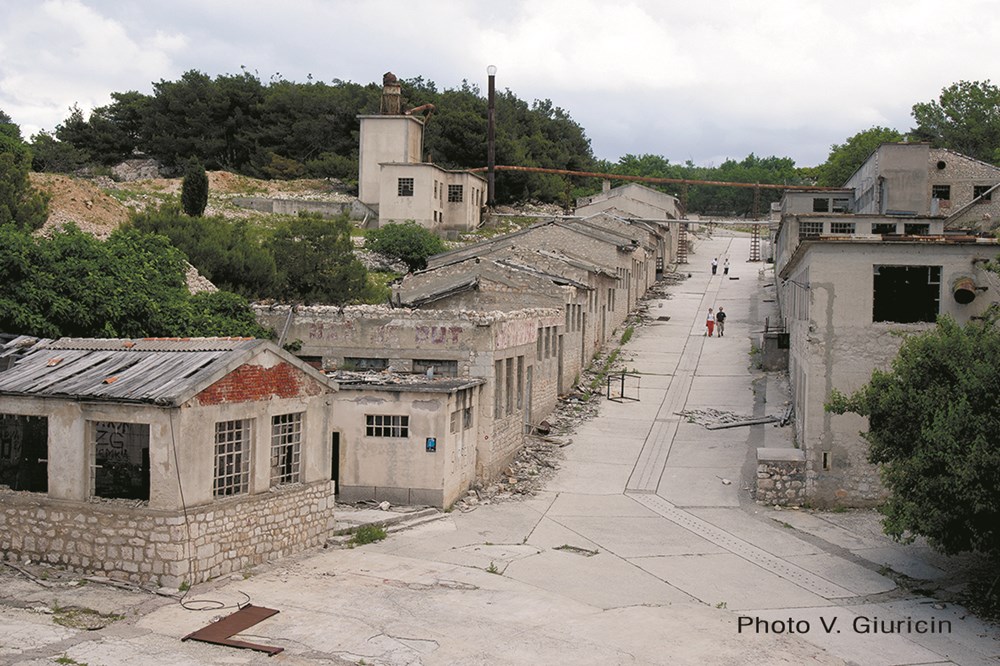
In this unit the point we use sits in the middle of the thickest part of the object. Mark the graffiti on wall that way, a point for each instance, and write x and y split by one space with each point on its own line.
437 335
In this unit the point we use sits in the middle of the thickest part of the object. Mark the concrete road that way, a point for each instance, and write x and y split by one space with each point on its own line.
644 549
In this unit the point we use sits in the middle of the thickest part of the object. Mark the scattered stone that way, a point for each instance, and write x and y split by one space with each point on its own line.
384 506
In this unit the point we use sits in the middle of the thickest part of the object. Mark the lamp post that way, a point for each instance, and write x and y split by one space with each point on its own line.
491 71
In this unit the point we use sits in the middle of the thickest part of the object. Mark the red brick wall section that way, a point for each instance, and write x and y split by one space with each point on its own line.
252 382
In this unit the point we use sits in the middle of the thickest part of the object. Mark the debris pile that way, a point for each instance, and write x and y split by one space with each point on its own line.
534 465
712 417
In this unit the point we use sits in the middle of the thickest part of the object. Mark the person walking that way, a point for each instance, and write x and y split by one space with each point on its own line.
725 269
715 265
710 322
720 321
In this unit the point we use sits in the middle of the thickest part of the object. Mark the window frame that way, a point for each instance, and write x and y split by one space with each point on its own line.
286 439
227 481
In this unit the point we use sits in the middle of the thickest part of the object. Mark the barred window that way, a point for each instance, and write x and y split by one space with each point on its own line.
405 187
361 363
841 227
387 425
286 448
455 194
442 368
232 457
982 191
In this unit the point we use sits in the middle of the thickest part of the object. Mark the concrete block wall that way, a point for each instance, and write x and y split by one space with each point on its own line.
143 545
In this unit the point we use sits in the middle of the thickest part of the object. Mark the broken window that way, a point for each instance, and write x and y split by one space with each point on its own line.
916 229
942 192
841 205
906 294
455 194
810 229
121 460
821 205
884 228
232 457
466 418
359 363
387 425
286 448
405 187
841 227
453 423
24 452
981 191
442 368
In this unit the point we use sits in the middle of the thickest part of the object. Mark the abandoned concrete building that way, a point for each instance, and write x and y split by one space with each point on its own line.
170 460
516 353
850 283
631 200
916 179
395 181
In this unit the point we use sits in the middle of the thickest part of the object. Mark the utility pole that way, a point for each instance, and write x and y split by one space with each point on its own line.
491 160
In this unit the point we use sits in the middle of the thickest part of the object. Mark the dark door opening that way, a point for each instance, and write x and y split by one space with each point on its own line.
335 461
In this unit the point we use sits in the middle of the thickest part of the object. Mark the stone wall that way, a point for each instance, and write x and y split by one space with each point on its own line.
781 477
145 545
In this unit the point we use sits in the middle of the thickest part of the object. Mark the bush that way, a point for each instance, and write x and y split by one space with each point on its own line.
407 242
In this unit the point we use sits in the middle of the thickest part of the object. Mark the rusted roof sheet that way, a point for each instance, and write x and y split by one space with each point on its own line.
161 371
221 631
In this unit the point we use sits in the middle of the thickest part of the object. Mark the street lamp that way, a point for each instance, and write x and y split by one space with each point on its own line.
491 71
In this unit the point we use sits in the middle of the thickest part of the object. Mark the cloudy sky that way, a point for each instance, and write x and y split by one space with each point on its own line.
700 80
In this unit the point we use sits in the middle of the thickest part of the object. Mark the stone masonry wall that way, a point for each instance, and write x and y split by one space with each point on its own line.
143 545
781 478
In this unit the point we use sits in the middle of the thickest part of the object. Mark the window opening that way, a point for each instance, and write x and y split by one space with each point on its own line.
455 194
942 192
24 446
121 460
405 187
981 191
906 294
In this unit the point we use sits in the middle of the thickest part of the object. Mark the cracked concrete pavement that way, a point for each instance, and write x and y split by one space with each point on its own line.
636 552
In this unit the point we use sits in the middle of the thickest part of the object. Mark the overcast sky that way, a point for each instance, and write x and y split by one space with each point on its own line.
700 80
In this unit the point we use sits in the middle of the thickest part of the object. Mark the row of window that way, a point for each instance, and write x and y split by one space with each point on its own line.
119 455
546 342
441 367
814 228
456 193
943 192
574 318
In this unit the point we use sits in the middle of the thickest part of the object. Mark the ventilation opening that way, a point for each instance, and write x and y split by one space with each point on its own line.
826 460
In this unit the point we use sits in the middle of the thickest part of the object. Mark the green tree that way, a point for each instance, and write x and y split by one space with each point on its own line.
933 428
965 118
194 189
316 262
845 158
55 156
20 203
408 242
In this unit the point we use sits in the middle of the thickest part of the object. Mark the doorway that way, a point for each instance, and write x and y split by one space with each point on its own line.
335 462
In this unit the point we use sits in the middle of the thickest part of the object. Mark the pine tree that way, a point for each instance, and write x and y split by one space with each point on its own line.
194 189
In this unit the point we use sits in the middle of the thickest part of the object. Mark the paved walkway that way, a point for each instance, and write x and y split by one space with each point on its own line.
644 549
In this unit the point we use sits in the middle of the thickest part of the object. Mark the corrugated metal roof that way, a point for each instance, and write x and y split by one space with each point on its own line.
158 370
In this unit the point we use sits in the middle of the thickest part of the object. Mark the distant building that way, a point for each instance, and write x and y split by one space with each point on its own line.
632 200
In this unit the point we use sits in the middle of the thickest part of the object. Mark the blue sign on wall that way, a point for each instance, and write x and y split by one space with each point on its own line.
432 444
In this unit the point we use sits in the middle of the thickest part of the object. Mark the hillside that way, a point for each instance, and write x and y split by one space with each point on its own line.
100 205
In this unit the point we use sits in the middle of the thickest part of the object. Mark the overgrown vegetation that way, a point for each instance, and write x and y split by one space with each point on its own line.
132 285
409 243
20 204
933 429
368 534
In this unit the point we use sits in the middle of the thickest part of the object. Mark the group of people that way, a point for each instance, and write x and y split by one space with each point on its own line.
716 320
715 266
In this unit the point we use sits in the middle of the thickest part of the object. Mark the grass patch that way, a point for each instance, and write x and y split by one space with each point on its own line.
627 335
368 534
492 569
76 617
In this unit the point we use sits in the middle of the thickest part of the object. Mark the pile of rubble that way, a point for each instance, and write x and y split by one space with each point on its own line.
534 465
712 417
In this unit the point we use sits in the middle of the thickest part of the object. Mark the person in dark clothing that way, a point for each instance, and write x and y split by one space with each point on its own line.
720 322
715 265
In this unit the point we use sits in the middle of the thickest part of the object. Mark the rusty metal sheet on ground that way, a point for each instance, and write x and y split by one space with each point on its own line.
221 631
